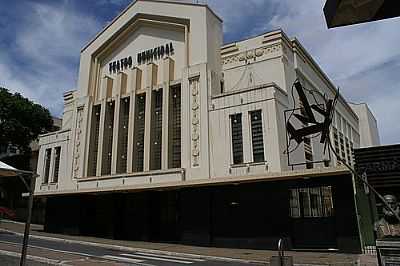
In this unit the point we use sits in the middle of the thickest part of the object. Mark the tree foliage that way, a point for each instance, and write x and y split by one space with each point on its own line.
21 120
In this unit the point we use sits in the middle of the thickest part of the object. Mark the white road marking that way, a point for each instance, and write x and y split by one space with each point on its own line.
168 256
117 258
156 258
50 249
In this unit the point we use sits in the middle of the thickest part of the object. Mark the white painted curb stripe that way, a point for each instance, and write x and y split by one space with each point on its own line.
121 259
168 257
156 258
30 257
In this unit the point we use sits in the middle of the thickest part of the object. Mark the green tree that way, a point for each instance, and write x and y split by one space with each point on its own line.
21 120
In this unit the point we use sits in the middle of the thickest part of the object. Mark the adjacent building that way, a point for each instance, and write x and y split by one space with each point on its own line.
173 136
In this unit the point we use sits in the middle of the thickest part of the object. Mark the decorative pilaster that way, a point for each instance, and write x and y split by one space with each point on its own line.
195 121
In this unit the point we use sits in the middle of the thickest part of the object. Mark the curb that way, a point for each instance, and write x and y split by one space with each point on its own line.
152 251
32 258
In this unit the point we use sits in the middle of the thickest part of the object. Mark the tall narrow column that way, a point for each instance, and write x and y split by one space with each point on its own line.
106 89
117 148
168 72
135 80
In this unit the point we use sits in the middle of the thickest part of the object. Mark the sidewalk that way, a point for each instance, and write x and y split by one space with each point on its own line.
257 256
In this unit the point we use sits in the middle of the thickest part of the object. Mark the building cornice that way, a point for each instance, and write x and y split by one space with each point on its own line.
332 172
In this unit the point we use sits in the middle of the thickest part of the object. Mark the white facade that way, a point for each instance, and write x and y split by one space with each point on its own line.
102 119
368 125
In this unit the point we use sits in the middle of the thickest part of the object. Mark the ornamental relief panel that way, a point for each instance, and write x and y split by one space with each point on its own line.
78 135
195 121
251 54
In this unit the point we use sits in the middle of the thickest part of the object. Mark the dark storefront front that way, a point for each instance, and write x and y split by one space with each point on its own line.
316 213
381 165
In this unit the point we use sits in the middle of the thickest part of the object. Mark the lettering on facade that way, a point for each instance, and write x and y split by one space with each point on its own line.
142 58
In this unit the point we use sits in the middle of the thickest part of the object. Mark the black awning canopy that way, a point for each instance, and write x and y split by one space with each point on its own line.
347 12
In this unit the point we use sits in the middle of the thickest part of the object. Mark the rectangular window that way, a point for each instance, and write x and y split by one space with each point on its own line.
257 136
94 140
138 149
47 159
336 144
311 202
237 138
156 130
56 164
108 139
349 151
342 149
174 156
122 149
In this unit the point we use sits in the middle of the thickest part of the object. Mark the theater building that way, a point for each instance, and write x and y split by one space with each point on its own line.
173 136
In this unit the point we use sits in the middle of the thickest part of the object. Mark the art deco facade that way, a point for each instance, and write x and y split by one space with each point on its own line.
164 111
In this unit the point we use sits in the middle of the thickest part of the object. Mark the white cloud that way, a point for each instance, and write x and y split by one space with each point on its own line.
49 43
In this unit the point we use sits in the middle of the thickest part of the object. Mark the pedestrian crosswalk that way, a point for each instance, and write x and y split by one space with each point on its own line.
142 258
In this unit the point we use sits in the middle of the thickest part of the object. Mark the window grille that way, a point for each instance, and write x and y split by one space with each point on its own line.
57 164
123 136
311 202
108 139
174 158
156 130
47 159
237 138
257 136
94 140
138 149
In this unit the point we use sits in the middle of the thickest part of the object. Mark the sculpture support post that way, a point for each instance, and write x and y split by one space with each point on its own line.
31 190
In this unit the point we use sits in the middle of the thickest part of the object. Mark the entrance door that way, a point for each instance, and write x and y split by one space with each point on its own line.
312 218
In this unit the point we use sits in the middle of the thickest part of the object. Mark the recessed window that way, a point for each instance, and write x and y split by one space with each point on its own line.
156 130
47 160
174 156
138 140
57 164
257 136
94 140
108 138
237 138
122 148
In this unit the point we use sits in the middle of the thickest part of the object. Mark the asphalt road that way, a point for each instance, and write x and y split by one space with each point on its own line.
81 254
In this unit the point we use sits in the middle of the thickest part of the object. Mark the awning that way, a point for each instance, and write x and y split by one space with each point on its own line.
347 12
7 170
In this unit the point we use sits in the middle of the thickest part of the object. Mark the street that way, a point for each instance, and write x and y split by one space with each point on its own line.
66 253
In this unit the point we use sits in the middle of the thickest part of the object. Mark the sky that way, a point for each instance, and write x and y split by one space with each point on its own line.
40 43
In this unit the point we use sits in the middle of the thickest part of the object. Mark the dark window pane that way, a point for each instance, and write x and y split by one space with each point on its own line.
237 138
257 136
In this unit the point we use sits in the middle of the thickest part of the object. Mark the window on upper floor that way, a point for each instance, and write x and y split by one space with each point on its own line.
237 138
138 150
47 160
174 126
57 158
257 138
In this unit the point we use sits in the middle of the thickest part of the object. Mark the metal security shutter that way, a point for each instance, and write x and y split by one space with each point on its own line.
237 138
